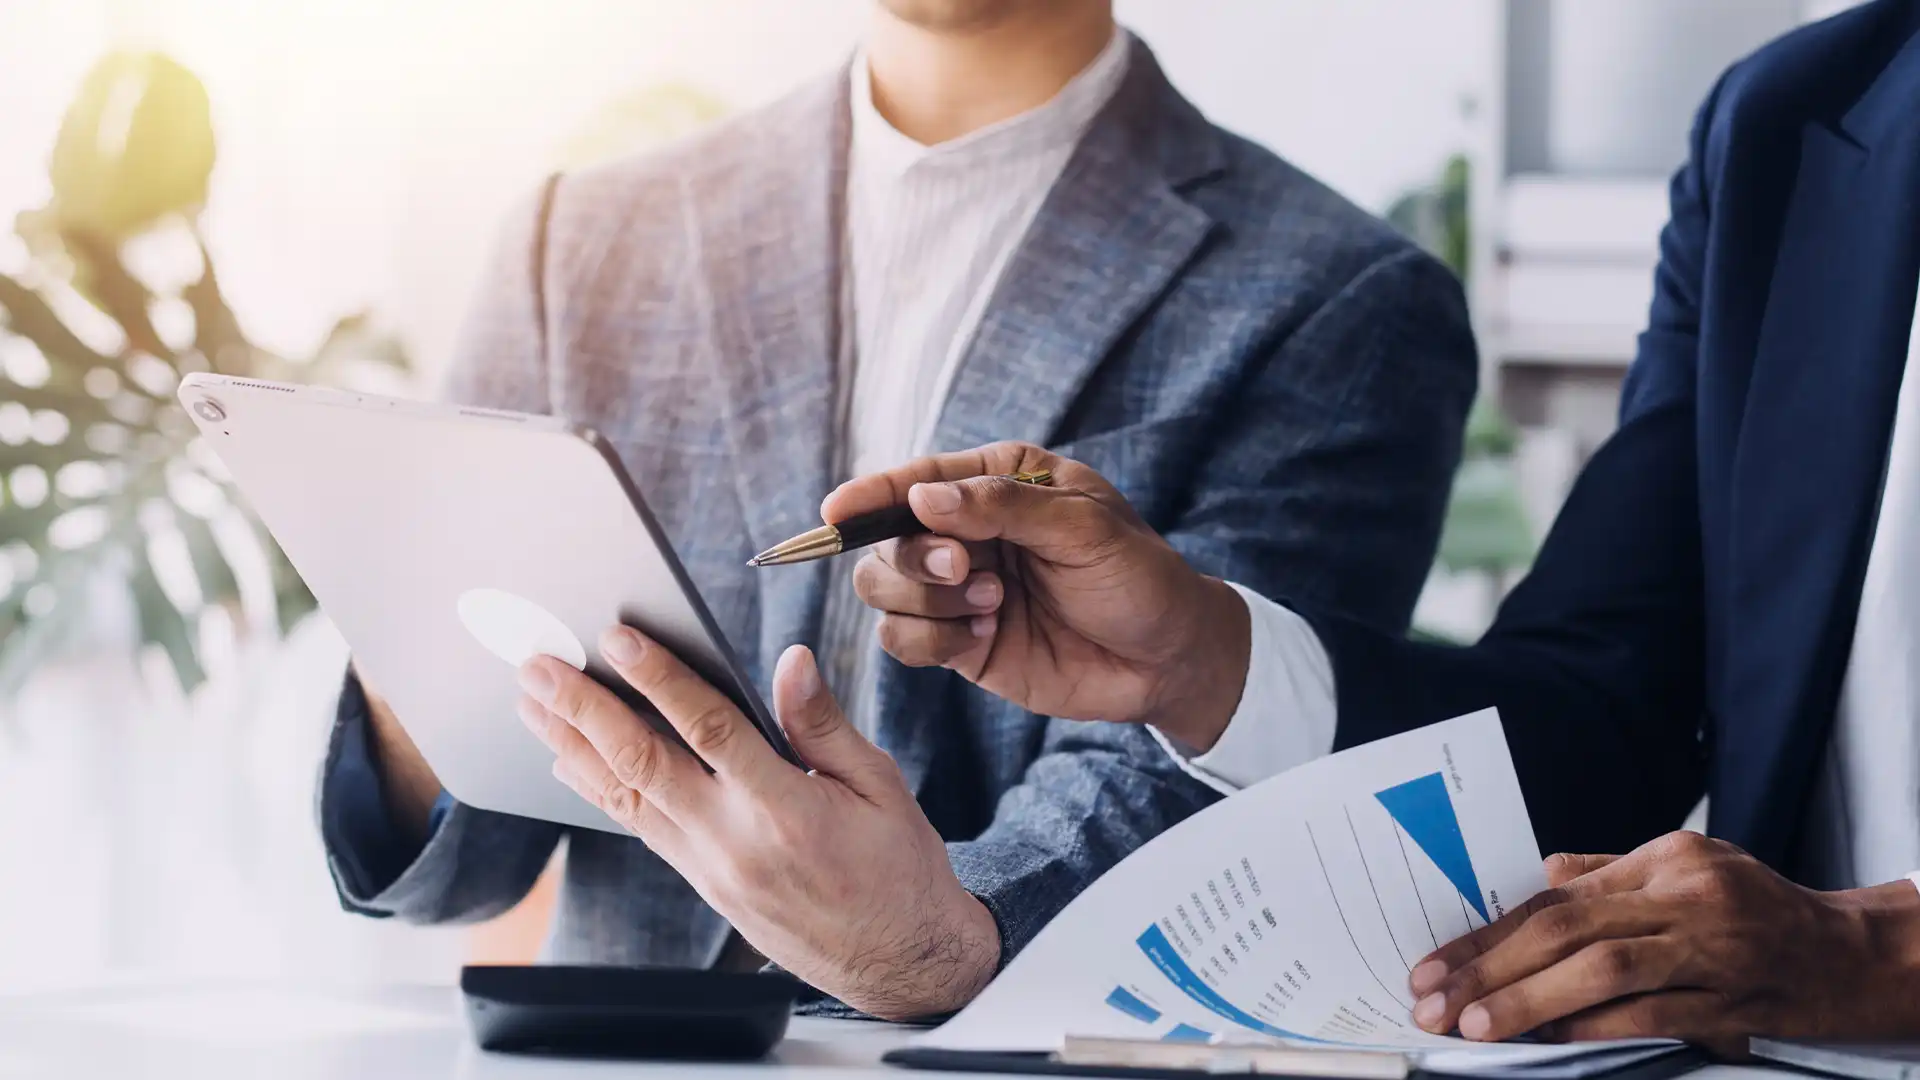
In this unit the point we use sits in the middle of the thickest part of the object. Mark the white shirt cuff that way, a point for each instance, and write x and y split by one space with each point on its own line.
1287 713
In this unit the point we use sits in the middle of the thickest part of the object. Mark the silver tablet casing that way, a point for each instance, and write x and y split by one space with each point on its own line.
392 509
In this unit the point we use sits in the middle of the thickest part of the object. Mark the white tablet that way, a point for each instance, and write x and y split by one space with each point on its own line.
450 544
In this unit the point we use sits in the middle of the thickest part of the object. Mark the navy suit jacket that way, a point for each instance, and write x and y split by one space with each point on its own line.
1688 622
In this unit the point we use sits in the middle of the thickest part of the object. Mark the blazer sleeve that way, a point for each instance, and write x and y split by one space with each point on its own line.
1597 660
475 863
1345 506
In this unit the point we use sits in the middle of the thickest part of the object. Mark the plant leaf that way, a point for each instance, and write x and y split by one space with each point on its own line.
102 200
162 624
79 408
32 318
218 585
216 331
115 291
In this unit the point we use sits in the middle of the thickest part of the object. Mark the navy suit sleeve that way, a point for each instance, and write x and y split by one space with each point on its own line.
1342 501
369 854
1597 660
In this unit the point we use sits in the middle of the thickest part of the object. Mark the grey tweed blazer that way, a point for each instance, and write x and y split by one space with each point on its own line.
1274 378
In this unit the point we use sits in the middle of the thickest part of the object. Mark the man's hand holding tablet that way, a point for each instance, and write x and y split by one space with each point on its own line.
834 873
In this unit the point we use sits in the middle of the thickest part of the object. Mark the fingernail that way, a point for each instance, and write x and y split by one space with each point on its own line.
1475 1022
982 625
984 593
940 563
1427 976
537 682
532 715
806 673
620 646
1428 1012
939 498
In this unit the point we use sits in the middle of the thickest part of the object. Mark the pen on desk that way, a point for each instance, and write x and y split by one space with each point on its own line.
858 531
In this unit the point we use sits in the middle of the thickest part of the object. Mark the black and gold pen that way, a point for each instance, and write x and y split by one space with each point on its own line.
858 531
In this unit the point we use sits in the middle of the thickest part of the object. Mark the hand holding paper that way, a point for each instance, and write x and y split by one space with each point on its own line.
1294 911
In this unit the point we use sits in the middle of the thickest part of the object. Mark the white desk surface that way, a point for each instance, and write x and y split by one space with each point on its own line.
220 1030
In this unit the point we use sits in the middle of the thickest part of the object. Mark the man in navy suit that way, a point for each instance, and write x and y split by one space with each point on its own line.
1729 606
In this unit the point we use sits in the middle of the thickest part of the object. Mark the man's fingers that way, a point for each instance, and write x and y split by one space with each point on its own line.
1428 974
877 491
820 733
1544 943
579 766
1566 866
885 589
935 560
631 749
710 723
1060 525
1610 876
1603 971
960 644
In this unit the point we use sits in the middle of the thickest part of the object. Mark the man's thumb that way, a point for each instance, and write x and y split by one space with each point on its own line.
817 728
1050 522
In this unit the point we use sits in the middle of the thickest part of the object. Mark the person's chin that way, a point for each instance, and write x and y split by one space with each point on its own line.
958 16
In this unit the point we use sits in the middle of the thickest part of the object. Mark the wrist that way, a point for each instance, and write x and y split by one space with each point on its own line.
1886 919
957 961
978 955
1891 915
1210 673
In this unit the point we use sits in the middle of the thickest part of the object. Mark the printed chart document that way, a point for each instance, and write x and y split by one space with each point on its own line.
1292 911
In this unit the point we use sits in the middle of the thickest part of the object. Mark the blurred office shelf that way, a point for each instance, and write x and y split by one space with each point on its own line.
1571 277
1547 215
1571 183
1563 301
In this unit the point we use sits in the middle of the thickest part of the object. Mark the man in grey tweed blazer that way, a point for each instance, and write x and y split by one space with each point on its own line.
1276 380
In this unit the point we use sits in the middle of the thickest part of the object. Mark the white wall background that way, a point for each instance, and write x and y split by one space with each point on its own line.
367 146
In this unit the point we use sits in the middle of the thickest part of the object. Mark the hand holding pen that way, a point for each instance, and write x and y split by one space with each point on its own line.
861 530
1055 596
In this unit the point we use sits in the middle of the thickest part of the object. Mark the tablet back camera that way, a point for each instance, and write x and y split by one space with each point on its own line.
516 629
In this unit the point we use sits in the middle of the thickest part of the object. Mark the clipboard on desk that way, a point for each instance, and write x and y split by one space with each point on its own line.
1125 1059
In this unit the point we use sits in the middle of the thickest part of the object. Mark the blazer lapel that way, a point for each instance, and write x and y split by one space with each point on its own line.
1111 237
1812 450
776 325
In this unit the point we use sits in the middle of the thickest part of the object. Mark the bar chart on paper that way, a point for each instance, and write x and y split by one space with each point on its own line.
1294 910
1394 873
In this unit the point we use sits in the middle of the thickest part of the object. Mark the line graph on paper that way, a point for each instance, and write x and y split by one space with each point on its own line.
1398 872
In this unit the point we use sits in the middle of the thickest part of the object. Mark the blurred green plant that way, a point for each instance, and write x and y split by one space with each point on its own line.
1486 526
102 478
1486 530
1436 216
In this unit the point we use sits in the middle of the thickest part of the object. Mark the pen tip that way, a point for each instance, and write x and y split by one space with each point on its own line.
755 561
